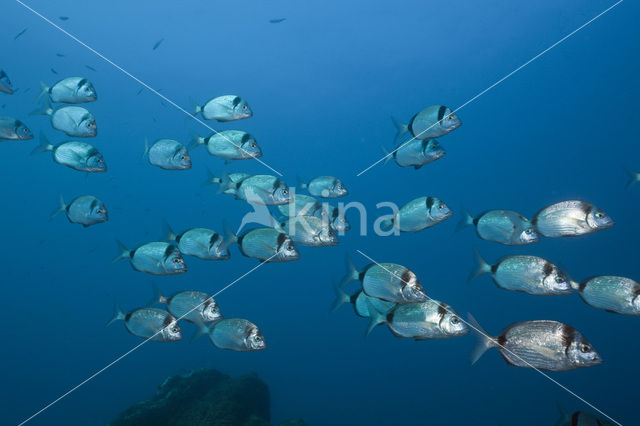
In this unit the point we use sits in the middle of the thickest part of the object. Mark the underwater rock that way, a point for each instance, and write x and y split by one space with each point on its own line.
203 397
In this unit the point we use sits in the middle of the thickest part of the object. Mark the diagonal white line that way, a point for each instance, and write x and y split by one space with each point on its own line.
135 348
502 347
144 84
494 84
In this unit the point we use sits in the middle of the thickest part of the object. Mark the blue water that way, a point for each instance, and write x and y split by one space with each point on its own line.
322 85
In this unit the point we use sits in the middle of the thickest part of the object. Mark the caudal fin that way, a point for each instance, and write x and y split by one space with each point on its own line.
146 148
211 178
375 317
301 183
401 129
46 109
564 418
201 329
44 91
229 237
167 232
481 266
387 155
485 341
352 273
124 252
634 177
466 221
196 141
341 297
225 183
117 314
386 224
157 296
196 108
62 207
44 145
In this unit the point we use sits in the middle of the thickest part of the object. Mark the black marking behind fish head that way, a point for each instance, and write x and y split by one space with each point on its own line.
236 101
568 336
441 111
547 269
430 203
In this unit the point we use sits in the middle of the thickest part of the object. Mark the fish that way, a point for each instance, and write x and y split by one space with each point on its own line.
85 210
613 294
277 20
60 55
418 214
54 71
264 244
76 155
230 145
235 334
167 154
432 122
634 177
90 67
157 44
541 344
150 323
501 226
224 108
360 302
13 129
571 219
301 205
5 83
74 121
20 33
336 217
156 258
324 187
202 243
64 18
417 153
580 418
233 180
310 231
420 320
529 274
70 90
193 306
387 281
266 190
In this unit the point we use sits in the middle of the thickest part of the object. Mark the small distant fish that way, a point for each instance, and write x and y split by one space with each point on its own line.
417 153
5 83
235 334
71 90
266 190
419 214
85 210
231 181
529 274
60 55
76 155
193 306
501 226
324 187
64 18
277 20
54 71
167 154
157 44
150 323
224 108
140 91
264 244
570 219
20 33
541 344
90 67
387 281
156 258
72 120
199 242
13 129
613 294
310 231
431 122
230 145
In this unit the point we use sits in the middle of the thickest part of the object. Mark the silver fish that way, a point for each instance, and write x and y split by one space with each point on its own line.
85 210
5 83
310 231
235 334
420 320
199 242
230 145
301 205
167 154
264 244
387 281
570 219
431 122
419 214
541 344
336 218
194 306
580 418
233 180
73 120
324 187
224 108
156 258
259 189
417 153
613 294
150 323
77 155
360 302
71 90
529 274
12 129
501 226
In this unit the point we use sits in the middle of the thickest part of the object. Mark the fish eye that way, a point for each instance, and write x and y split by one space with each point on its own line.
440 206
244 107
584 348
253 145
176 260
560 279
285 191
599 215
174 329
529 231
455 320
290 247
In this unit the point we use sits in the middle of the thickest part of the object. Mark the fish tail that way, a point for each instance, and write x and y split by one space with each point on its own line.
229 237
196 108
124 252
564 418
301 183
401 129
211 178
352 273
196 141
225 183
485 341
633 179
386 224
387 155
146 148
44 146
44 91
467 220
375 317
118 314
46 109
157 296
341 297
61 209
201 329
167 231
481 266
